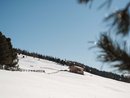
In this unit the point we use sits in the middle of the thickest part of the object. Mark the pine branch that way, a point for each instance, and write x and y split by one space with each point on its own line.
120 20
107 3
112 52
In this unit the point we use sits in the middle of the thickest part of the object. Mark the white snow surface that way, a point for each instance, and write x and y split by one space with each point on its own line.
62 84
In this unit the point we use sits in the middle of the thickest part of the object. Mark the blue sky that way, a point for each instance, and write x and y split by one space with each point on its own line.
59 28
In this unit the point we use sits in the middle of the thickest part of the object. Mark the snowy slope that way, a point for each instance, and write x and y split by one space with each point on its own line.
57 85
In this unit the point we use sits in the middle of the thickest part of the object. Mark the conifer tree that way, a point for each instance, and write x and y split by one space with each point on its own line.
8 56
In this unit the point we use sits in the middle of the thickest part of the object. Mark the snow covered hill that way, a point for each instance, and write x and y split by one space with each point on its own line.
57 84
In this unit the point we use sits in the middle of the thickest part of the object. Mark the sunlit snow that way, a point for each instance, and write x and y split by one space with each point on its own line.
57 84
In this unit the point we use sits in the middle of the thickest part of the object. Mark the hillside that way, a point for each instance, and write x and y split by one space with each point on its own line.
57 84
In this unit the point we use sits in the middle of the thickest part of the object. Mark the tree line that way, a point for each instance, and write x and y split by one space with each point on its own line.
69 63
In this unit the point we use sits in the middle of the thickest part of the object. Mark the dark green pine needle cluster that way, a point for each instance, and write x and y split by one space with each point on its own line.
112 52
120 20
